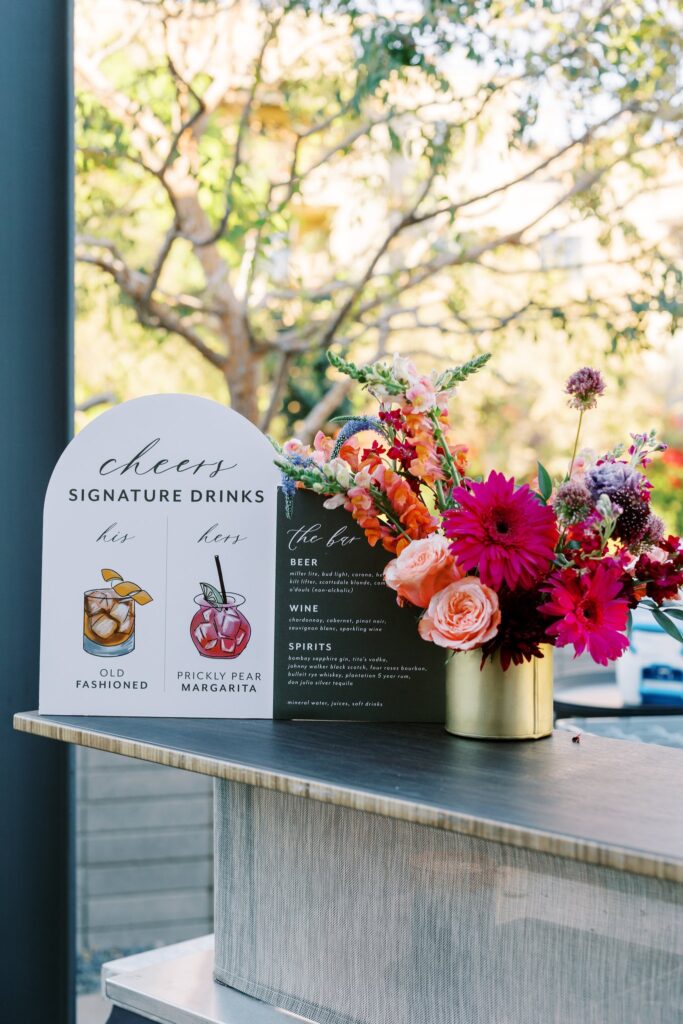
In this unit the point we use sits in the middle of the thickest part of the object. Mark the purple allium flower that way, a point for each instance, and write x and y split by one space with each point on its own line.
573 502
584 387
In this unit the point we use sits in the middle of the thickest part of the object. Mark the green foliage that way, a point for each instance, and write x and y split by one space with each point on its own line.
383 377
377 375
457 374
545 483
341 177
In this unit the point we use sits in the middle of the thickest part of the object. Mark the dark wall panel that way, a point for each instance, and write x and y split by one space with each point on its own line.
36 929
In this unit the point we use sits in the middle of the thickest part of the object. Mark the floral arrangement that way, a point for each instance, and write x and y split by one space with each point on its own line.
496 566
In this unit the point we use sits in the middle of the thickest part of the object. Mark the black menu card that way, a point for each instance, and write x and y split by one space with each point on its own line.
344 649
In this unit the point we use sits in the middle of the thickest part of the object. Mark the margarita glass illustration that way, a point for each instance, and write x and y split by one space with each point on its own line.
109 616
218 628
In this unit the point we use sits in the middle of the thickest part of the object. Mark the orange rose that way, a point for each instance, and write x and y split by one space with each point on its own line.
423 567
464 615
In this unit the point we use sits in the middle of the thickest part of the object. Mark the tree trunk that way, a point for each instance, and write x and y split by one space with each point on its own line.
241 377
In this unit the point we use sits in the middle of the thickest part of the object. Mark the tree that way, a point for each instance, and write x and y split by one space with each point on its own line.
268 180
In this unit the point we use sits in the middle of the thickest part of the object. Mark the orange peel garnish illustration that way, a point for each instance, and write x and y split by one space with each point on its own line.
126 588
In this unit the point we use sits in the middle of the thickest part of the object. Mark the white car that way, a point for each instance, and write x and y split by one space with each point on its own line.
651 671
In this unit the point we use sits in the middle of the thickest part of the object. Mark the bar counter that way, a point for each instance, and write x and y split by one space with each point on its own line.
393 874
599 801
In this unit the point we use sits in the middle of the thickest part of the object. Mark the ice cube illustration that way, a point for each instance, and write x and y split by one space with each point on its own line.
103 626
227 621
119 611
205 633
97 601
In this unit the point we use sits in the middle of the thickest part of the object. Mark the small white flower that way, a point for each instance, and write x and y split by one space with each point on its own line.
339 470
404 369
363 479
335 501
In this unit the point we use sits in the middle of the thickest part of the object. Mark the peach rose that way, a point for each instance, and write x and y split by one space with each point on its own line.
423 567
464 615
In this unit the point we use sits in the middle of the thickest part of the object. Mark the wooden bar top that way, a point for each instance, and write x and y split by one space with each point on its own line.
602 801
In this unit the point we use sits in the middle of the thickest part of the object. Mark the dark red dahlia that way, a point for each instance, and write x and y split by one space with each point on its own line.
522 629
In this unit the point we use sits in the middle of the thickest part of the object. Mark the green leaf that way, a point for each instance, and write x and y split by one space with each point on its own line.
668 626
211 594
545 484
395 140
674 613
457 374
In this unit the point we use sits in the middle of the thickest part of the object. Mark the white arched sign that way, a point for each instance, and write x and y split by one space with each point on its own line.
159 565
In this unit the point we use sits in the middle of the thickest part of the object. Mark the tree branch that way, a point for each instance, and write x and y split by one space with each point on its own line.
161 257
241 132
424 271
134 284
405 221
452 208
277 391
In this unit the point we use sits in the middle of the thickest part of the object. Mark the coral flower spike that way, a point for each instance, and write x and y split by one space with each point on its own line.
505 533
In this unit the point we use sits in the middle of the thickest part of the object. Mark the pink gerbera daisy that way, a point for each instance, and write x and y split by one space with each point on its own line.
506 533
592 610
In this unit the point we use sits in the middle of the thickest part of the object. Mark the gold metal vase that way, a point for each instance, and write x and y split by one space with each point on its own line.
490 704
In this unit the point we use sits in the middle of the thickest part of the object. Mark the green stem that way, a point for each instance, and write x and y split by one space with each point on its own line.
385 508
438 434
576 443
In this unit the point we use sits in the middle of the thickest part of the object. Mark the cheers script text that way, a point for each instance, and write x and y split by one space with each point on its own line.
143 464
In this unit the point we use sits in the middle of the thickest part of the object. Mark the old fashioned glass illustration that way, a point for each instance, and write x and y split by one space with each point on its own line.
109 616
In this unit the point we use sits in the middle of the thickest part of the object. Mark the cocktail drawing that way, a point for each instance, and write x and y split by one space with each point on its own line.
109 616
219 629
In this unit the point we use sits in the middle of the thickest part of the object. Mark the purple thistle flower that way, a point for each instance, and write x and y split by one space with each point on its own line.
610 477
652 536
573 502
584 387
